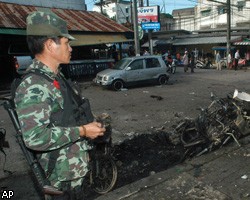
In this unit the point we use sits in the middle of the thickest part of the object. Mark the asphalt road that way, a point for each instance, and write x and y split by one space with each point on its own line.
133 111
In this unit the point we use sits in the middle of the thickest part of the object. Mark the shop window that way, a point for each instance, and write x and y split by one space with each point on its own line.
240 5
205 13
222 10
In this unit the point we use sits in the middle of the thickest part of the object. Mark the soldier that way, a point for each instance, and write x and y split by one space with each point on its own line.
52 114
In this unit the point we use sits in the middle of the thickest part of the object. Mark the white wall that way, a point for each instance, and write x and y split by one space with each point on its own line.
215 19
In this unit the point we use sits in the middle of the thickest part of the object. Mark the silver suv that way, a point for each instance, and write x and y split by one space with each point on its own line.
22 63
133 70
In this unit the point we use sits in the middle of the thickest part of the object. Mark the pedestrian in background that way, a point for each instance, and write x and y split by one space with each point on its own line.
146 53
236 59
229 61
178 56
192 62
218 61
185 61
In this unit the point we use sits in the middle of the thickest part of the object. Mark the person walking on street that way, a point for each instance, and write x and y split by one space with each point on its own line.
51 111
178 56
229 61
185 61
192 62
218 61
236 59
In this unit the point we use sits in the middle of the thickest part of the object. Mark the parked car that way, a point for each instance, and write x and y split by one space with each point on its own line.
134 70
22 63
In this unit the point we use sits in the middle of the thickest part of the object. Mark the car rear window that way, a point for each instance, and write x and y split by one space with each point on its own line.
152 63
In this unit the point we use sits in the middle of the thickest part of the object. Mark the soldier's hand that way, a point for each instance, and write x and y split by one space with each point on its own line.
92 130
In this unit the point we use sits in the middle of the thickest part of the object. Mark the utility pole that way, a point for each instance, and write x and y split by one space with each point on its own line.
117 10
141 3
228 26
164 6
136 33
228 7
150 37
101 2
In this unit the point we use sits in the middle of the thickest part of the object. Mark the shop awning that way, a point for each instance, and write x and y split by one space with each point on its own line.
147 43
243 43
203 40
82 39
12 31
91 39
158 42
222 48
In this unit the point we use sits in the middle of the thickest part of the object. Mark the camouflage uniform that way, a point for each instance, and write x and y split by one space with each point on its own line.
36 100
47 23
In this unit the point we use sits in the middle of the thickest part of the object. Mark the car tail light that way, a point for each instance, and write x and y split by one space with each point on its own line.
16 63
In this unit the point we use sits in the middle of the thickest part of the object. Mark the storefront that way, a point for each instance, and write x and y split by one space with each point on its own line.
91 29
244 47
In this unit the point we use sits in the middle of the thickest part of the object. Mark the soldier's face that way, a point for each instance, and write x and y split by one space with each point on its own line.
63 51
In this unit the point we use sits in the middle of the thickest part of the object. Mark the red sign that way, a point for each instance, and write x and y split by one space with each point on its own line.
148 14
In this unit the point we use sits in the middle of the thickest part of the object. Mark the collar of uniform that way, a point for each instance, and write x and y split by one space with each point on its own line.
37 64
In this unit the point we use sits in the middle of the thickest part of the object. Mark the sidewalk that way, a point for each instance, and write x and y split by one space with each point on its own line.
220 175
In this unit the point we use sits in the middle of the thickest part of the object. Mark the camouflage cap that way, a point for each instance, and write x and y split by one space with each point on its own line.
45 23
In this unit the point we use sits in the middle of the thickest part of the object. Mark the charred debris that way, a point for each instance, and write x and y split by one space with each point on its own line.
224 121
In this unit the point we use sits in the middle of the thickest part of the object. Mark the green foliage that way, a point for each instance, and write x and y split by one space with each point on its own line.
166 15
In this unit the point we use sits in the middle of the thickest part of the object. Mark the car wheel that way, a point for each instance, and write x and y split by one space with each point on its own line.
117 85
162 80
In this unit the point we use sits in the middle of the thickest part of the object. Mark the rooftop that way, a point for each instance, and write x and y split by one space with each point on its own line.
14 16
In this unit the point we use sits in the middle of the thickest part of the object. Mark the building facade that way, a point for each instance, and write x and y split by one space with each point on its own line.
211 15
184 19
115 9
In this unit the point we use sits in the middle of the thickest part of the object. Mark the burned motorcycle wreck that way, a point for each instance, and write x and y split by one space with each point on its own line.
224 120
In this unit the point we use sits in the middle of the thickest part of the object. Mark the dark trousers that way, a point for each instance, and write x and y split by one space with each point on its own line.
236 64
185 68
192 66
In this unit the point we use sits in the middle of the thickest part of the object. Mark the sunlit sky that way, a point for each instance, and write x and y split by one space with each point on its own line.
165 5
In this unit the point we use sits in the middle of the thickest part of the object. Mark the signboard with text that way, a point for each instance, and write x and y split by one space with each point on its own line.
151 26
148 14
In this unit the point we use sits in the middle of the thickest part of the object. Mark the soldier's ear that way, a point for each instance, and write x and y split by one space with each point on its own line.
49 45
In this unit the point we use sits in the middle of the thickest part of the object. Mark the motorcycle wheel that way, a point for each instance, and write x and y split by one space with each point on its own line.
104 174
223 65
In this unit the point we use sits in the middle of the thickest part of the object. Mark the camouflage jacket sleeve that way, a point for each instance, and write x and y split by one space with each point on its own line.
36 98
